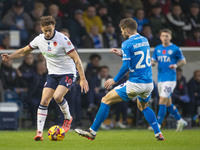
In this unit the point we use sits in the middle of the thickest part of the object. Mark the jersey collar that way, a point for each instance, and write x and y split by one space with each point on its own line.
134 35
52 36
167 46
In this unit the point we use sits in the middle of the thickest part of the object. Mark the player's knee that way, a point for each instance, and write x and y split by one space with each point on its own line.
106 101
57 98
141 106
45 102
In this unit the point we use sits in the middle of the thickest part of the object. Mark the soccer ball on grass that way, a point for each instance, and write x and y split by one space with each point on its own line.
56 133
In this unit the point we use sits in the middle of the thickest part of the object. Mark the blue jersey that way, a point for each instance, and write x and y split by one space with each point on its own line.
136 50
166 56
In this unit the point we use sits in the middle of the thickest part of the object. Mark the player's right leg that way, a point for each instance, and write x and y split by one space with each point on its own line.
111 98
151 118
47 95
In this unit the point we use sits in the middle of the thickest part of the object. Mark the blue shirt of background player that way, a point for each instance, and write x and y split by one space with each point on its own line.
166 56
136 59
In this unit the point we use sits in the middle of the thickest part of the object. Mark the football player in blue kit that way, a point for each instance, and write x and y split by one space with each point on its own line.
136 59
169 57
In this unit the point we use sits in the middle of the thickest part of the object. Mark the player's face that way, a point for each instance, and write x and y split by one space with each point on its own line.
48 31
165 37
124 33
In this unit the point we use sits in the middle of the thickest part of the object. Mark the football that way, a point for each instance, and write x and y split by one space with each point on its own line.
56 133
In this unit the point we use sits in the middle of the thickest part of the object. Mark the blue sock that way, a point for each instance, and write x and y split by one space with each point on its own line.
161 113
101 116
151 118
174 111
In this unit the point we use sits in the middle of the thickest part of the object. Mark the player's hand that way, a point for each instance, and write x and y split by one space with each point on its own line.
174 66
109 83
84 85
5 57
116 51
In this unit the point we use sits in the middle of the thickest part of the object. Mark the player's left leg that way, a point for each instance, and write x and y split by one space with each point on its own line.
66 82
174 111
110 98
63 104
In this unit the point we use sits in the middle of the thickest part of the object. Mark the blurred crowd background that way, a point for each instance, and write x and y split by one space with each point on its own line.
94 24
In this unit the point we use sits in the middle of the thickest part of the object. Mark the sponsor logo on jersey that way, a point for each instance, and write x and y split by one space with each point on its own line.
65 38
164 51
55 43
164 59
159 51
170 52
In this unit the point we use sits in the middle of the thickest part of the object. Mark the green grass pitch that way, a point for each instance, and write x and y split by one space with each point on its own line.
106 140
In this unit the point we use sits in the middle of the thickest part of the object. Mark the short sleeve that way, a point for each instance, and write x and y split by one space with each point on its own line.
179 54
33 44
125 52
67 45
154 57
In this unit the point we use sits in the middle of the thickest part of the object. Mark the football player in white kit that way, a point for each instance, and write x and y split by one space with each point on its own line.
62 61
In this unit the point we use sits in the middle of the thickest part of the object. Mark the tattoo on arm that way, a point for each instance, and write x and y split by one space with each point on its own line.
80 68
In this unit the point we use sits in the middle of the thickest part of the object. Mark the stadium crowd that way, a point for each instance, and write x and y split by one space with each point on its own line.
94 24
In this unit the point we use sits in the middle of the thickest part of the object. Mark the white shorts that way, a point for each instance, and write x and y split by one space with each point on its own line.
165 89
130 90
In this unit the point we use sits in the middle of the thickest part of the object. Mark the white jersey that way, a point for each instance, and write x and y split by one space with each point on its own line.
56 51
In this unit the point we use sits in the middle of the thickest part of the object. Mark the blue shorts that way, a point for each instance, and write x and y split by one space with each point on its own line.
129 90
67 80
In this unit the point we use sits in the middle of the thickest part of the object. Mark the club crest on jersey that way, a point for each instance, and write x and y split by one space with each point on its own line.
55 43
164 51
49 48
158 51
170 52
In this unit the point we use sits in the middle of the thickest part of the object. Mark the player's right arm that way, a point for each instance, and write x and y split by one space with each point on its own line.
154 58
19 53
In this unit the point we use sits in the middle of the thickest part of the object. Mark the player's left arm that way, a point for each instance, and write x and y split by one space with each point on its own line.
181 60
121 73
83 82
125 66
180 63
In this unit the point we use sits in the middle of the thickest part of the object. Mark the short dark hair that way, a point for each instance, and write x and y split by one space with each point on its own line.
94 56
103 67
166 31
196 71
47 20
128 23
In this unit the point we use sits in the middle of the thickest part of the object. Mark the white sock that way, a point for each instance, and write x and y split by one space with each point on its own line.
180 120
157 134
93 132
65 109
41 117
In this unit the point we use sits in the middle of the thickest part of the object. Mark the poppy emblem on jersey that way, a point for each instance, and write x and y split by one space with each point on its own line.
164 51
55 43
69 43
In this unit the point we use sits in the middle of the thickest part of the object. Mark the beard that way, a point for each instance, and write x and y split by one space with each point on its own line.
125 37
